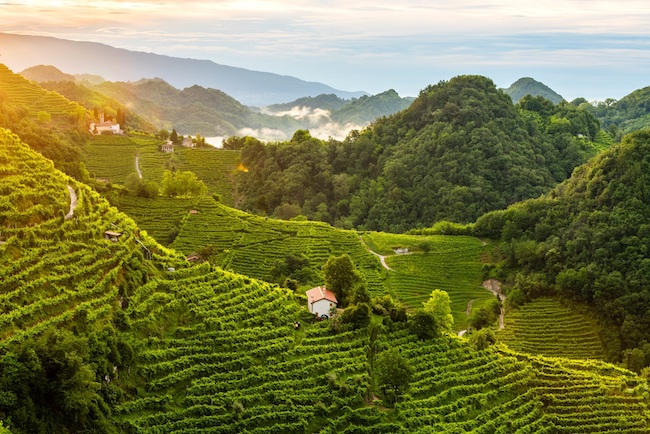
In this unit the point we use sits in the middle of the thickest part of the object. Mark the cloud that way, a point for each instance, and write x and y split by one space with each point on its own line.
363 45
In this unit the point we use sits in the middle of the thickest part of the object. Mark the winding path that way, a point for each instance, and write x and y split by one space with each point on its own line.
494 286
382 258
137 166
73 203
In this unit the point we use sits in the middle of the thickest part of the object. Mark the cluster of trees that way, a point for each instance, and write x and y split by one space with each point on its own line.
588 240
461 149
630 113
178 183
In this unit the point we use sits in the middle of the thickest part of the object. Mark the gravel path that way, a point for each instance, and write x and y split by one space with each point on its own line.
137 166
73 203
382 258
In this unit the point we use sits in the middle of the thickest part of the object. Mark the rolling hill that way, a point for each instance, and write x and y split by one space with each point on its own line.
138 340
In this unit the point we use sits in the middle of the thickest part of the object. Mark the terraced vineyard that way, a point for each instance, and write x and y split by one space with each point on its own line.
161 217
250 245
113 158
213 166
53 267
110 157
34 99
234 363
544 326
452 264
216 351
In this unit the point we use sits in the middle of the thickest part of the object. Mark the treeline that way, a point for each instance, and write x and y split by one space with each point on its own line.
588 240
461 149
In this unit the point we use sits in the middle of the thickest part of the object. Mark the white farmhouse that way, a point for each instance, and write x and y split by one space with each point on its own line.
320 300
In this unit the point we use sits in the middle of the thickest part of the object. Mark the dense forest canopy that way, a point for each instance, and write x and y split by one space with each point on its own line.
461 149
588 239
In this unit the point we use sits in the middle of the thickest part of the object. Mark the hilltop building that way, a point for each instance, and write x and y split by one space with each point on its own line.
104 127
167 147
320 301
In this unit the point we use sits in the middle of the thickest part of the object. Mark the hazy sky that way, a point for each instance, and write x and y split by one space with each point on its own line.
591 48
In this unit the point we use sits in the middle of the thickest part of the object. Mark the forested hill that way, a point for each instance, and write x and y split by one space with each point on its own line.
461 149
588 239
528 86
630 113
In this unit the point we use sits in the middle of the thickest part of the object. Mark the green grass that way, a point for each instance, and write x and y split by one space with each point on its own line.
110 157
453 264
545 326
251 244
160 217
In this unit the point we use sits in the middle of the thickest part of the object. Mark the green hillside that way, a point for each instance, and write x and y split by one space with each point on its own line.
545 326
587 240
459 150
53 125
452 264
630 113
528 86
251 245
366 109
96 337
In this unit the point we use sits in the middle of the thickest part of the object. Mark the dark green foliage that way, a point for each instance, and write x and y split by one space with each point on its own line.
630 113
423 324
485 315
459 150
357 316
341 277
587 239
50 384
394 374
293 268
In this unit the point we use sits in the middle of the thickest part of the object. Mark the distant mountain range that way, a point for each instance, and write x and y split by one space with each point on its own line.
528 86
210 112
116 64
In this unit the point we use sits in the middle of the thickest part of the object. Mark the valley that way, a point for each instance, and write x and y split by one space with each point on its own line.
131 304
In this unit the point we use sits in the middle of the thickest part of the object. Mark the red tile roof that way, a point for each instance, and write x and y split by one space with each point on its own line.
320 293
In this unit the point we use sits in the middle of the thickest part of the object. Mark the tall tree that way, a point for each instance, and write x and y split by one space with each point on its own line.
439 305
341 277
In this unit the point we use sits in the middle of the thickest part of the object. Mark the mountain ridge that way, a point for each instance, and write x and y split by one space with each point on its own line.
118 64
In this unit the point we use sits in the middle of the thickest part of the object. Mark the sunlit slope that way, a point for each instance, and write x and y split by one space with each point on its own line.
216 351
33 99
452 263
545 326
114 157
55 264
250 244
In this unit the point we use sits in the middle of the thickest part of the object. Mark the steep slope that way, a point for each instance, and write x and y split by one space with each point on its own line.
528 86
587 239
53 125
115 64
122 343
630 113
461 149
362 111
